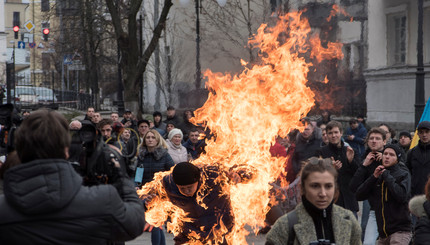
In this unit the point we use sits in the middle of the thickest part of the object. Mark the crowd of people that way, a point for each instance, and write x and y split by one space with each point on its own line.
329 169
372 166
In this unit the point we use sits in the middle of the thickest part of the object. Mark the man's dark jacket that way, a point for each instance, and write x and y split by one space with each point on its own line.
305 148
388 195
345 173
44 202
418 163
204 219
195 149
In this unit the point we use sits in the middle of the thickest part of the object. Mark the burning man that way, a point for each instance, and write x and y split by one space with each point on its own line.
200 193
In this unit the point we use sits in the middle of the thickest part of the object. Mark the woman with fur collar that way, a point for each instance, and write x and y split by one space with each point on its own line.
420 207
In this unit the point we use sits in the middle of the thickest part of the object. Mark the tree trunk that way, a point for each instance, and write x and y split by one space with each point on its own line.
134 62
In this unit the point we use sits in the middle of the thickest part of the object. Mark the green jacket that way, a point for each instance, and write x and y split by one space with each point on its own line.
346 228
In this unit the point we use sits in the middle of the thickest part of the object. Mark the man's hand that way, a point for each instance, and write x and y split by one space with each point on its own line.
378 156
351 137
349 154
378 171
369 159
336 163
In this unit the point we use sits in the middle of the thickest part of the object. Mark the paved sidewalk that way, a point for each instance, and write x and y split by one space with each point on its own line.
145 239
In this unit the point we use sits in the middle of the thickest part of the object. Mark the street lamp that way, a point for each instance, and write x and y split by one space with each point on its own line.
197 4
419 82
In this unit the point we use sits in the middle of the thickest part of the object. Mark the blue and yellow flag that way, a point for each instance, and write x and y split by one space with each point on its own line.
424 117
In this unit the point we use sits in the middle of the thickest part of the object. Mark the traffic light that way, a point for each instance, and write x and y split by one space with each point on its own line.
16 30
45 32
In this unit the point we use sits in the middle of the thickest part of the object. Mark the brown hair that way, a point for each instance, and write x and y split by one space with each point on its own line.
334 124
376 130
160 141
321 165
103 123
43 135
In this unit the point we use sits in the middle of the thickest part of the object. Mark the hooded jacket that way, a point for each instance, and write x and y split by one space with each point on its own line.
388 196
44 202
177 152
420 207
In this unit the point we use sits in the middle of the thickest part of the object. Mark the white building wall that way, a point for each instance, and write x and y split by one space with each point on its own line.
391 88
377 40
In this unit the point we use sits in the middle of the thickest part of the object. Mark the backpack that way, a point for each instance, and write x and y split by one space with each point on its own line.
292 220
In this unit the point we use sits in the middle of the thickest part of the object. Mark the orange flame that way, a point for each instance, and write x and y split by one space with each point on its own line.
245 113
335 10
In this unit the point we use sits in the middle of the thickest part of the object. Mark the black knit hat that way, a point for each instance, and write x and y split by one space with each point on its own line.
405 133
185 173
399 151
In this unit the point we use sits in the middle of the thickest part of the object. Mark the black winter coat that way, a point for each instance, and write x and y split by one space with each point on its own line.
217 202
345 173
152 162
363 173
44 202
418 163
305 148
389 195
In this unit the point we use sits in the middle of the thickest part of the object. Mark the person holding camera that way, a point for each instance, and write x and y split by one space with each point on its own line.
44 201
317 220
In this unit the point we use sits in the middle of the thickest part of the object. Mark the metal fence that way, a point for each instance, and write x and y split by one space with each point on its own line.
48 91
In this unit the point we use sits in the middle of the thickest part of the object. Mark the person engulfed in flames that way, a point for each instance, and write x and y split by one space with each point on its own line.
201 193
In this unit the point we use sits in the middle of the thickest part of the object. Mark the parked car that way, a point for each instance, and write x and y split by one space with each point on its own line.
27 96
46 97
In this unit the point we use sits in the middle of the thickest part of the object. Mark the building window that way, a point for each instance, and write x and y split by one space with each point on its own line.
68 7
396 37
45 5
16 21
